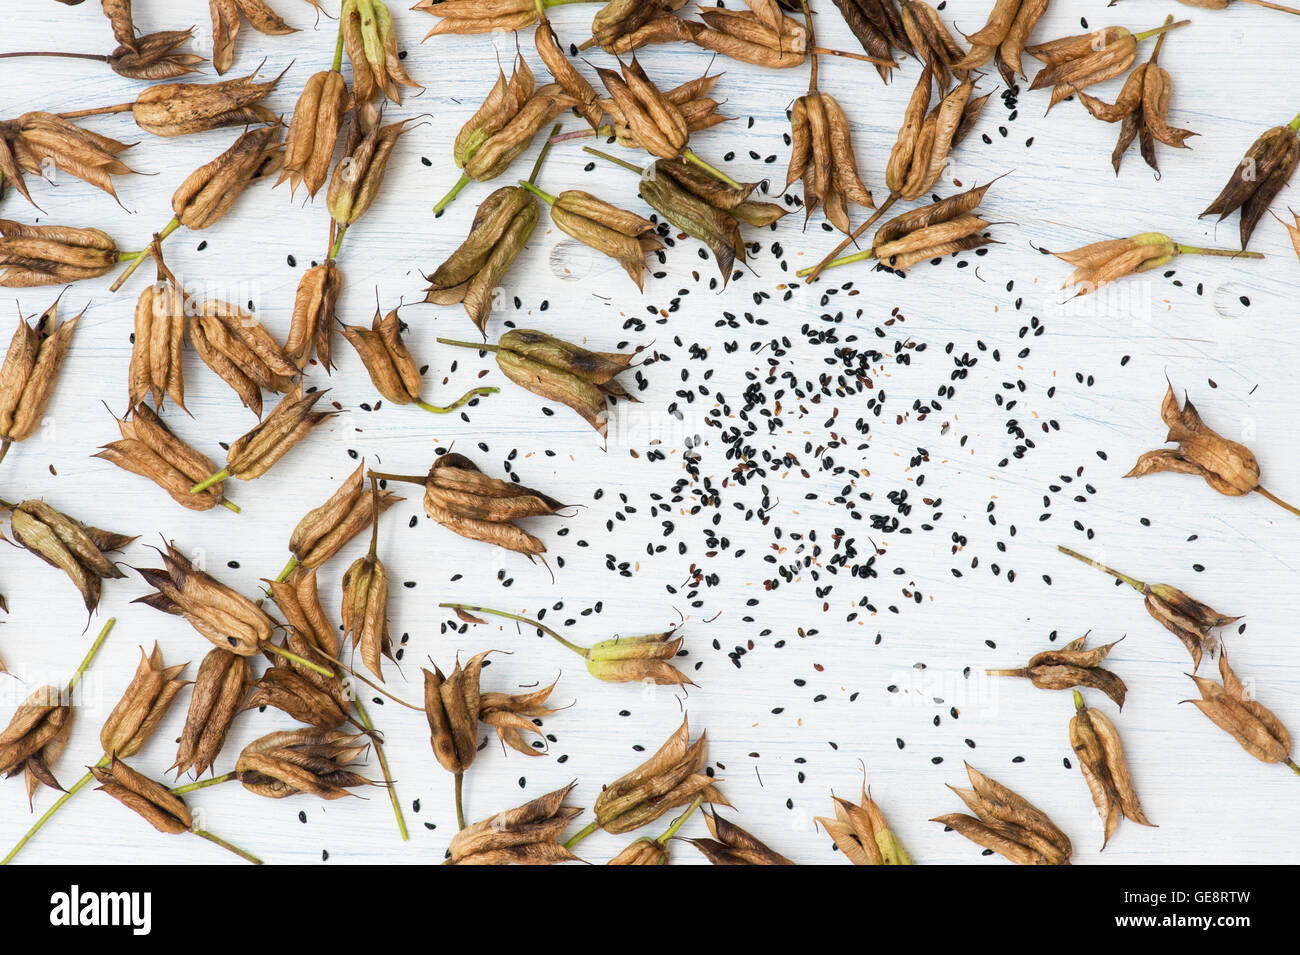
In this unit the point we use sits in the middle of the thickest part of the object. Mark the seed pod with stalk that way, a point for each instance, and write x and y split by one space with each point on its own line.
325 530
38 142
467 17
461 498
1097 745
77 549
1189 620
1102 262
732 845
142 706
156 367
1228 467
253 454
1073 63
881 28
32 255
1004 37
391 368
152 450
1071 666
512 715
1141 108
365 600
648 851
618 21
207 194
303 694
242 353
526 835
564 72
306 761
314 305
1255 727
219 690
638 659
314 129
932 43
359 174
367 33
1259 177
862 834
560 371
31 367
1223 5
227 16
1007 823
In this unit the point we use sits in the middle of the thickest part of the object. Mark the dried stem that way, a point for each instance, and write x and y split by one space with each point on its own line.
852 237
1133 582
229 847
1020 673
4 447
102 58
1160 41
459 787
469 608
98 111
878 61
812 47
463 400
630 167
1273 6
541 156
1277 500
383 767
370 683
403 478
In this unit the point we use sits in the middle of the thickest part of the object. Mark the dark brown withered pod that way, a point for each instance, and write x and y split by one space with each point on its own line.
1071 666
732 845
1007 823
1259 177
1004 37
880 28
526 835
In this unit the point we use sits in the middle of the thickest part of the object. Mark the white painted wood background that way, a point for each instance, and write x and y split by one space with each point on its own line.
1233 76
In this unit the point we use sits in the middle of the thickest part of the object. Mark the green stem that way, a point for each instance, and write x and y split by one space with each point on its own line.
546 197
461 344
1165 28
713 171
1160 41
209 481
383 767
337 67
461 183
681 820
229 847
79 785
290 655
463 400
541 156
338 242
289 568
90 655
203 784
167 230
1290 762
1181 249
630 167
581 834
469 608
459 786
1294 125
1137 585
830 260
231 506
1078 702
1277 500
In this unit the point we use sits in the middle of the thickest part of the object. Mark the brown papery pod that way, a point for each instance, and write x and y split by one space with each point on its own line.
1074 63
386 359
227 16
305 695
360 172
31 367
142 706
156 367
1255 727
946 226
478 16
36 141
763 35
927 136
1004 37
881 28
617 21
218 695
179 109
252 455
35 737
77 549
324 530
732 845
691 99
565 73
1228 467
155 57
314 307
242 353
32 255
672 777
371 45
513 715
1096 743
148 799
931 41
305 761
1007 823
208 193
862 834
1259 177
121 19
314 131
623 236
451 705
150 449
365 601
644 851
526 835
1071 666
655 121
299 601
821 154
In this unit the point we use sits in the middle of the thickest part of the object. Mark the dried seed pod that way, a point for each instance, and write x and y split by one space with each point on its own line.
35 142
732 845
325 530
360 172
35 737
1255 727
122 21
763 35
821 154
30 369
1074 63
208 193
623 236
861 833
371 45
642 659
619 20
927 136
1069 667
150 449
219 691
386 359
242 353
148 799
299 601
1292 230
655 121
311 761
228 619
512 716
565 73
365 605
1009 824
252 455
1004 37
155 57
305 695
1228 467
691 100
226 18
479 16
670 778
1096 743
932 43
179 109
880 27
451 704
142 706
526 835
1259 177
1106 261
313 314
644 851
33 255
931 231
314 131
79 550
502 226
157 368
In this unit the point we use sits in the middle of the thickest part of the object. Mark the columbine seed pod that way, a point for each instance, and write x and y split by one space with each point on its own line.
30 369
371 44
386 359
1259 177
157 368
526 835
179 109
219 691
479 16
623 236
324 530
763 35
1074 63
148 799
927 136
33 255
1069 667
314 131
1255 727
252 455
302 693
299 601
451 704
565 73
1100 753
1004 36
617 21
670 778
1111 259
1008 823
512 716
311 761
691 99
155 57
929 232
821 154
501 227
861 833
655 121
312 324
880 28
208 193
226 17
933 44
145 702
35 141
732 845
642 659
150 449
121 20
365 610
35 737
79 550
644 851
360 172
242 353
228 619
